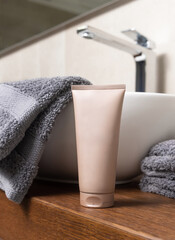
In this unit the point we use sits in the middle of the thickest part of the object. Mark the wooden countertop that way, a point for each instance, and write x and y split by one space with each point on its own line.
52 211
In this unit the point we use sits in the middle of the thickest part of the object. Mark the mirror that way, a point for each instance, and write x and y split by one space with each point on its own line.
21 20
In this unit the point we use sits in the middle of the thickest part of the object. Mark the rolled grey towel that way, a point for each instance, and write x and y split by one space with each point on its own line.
159 169
162 186
27 113
160 160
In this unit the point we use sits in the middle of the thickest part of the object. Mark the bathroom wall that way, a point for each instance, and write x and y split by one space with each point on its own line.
20 20
65 53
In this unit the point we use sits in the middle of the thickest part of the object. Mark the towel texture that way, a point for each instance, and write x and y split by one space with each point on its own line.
159 169
27 113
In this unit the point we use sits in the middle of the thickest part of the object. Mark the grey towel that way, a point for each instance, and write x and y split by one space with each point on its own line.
162 186
159 169
27 113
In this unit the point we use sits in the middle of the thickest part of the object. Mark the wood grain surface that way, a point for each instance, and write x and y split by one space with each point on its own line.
52 211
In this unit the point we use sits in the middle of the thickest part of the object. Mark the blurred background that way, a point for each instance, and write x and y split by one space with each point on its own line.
22 19
38 39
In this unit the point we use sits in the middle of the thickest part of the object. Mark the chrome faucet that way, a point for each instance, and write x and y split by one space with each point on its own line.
141 52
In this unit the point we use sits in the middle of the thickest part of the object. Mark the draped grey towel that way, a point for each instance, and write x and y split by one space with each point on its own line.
159 169
27 113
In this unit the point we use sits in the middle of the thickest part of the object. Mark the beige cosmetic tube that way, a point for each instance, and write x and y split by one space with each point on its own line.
97 123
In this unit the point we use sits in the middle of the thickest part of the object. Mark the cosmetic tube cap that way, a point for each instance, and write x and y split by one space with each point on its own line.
96 200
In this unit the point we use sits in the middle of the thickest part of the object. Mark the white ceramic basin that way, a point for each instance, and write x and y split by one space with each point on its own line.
147 119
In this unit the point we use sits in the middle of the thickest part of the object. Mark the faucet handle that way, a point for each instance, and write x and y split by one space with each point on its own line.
139 38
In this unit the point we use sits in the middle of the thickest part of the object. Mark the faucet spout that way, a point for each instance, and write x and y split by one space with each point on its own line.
108 39
138 51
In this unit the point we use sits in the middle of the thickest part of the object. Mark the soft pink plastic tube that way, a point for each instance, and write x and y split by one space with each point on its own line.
97 123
